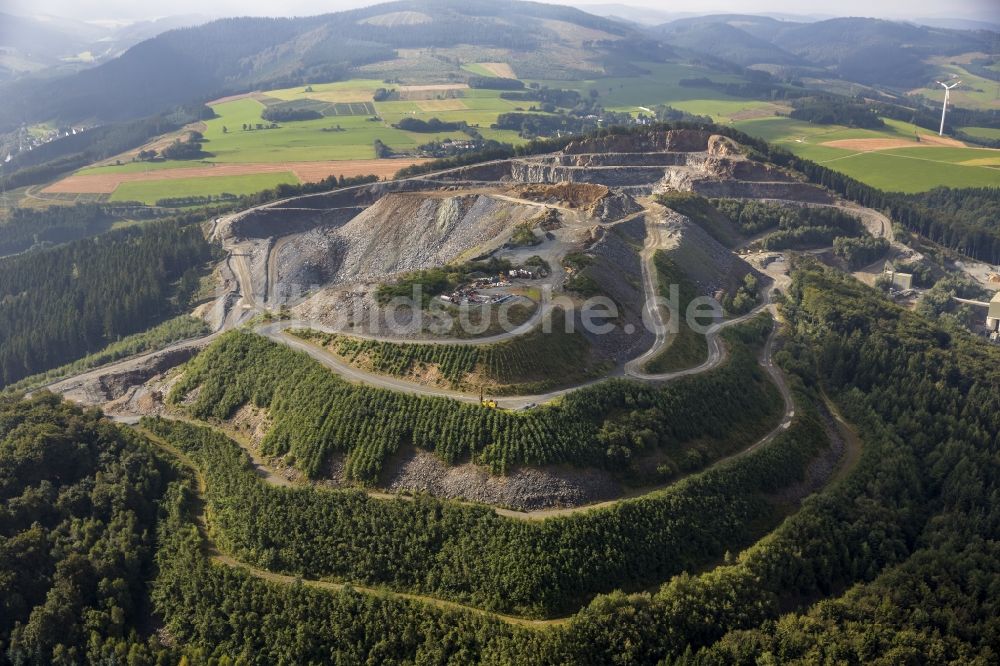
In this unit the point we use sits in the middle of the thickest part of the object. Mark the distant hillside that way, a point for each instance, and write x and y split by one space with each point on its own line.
59 46
725 40
869 51
30 44
232 55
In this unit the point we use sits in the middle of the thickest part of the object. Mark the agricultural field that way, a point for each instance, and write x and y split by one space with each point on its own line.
661 86
899 157
975 92
150 191
352 121
341 142
501 69
983 132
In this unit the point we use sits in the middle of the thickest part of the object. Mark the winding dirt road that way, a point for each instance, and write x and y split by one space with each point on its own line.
247 305
222 558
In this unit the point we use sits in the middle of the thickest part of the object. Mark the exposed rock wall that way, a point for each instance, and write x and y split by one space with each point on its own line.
490 172
622 159
401 232
617 269
707 263
642 142
273 222
755 190
534 171
614 206
525 489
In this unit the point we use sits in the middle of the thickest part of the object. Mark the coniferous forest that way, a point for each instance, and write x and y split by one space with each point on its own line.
317 415
896 562
59 304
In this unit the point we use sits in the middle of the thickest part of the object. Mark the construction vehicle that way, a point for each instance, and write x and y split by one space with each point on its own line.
486 402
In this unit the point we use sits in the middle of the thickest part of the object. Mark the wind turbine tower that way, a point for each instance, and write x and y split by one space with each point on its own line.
944 109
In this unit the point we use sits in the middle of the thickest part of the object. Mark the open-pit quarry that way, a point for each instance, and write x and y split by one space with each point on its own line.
317 261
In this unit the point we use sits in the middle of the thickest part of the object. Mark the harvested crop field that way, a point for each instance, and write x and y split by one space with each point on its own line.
500 69
768 111
438 87
307 172
985 161
441 105
865 145
257 95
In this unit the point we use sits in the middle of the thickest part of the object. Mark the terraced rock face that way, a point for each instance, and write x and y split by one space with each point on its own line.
708 264
400 232
617 270
647 142
553 171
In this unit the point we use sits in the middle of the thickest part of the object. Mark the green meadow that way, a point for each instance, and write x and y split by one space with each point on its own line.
335 137
975 92
902 172
904 169
149 191
352 137
661 85
477 69
982 132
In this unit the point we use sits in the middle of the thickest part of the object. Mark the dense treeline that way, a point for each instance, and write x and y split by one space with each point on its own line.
860 252
915 521
557 97
184 150
288 114
910 534
432 125
472 554
317 415
835 111
533 362
530 125
76 539
928 397
173 330
796 226
61 303
747 89
667 114
30 228
227 612
974 206
495 83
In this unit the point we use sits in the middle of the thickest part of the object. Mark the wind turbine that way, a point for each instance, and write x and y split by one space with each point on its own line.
944 109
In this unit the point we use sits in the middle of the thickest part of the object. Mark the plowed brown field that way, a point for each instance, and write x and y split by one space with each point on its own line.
864 145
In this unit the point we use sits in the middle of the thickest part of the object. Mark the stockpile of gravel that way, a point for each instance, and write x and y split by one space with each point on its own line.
526 489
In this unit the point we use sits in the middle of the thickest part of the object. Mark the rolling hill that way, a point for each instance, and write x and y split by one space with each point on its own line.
233 55
864 50
49 46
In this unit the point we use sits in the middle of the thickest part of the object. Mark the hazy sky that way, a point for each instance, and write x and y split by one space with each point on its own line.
138 9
